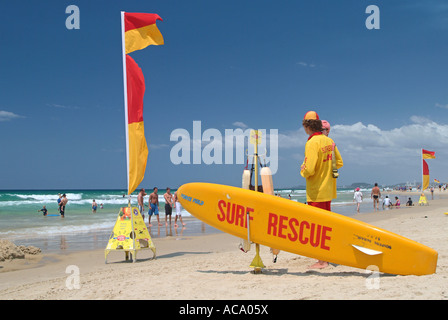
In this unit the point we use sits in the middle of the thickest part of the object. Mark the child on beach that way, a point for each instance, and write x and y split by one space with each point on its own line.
397 203
386 202
59 202
44 210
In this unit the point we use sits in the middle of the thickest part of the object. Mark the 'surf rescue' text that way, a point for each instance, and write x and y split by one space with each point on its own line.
234 213
305 232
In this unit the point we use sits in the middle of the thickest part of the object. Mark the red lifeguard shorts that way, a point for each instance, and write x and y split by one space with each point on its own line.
323 205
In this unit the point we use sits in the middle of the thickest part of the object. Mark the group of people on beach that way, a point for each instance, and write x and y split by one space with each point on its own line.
95 206
375 195
62 202
171 201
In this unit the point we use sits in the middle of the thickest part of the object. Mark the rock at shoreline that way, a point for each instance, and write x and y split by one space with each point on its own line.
9 251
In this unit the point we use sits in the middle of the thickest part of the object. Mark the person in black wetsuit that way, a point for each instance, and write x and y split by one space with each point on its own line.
44 210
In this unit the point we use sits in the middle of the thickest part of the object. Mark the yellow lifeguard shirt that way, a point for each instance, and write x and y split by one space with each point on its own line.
317 168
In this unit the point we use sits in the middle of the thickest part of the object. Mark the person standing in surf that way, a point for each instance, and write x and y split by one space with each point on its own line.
168 205
140 201
64 201
317 168
376 195
154 206
94 206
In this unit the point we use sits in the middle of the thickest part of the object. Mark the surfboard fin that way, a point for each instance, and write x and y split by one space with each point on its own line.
367 251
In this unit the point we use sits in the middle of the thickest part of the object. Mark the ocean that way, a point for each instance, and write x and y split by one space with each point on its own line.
22 223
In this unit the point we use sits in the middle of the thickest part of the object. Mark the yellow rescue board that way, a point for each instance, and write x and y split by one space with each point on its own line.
305 230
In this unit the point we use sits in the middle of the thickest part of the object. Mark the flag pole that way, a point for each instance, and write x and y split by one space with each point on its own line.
125 89
421 162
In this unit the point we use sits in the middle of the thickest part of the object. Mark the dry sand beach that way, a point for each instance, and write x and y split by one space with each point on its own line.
211 267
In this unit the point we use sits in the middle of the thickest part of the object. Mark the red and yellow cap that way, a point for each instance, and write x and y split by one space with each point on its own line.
311 115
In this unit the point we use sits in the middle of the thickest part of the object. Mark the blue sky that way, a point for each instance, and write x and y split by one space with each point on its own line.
228 64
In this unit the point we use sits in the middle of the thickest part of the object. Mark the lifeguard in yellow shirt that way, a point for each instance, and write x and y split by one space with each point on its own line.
319 168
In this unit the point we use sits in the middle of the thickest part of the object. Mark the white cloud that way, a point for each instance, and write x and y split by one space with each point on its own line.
422 132
369 144
7 116
374 154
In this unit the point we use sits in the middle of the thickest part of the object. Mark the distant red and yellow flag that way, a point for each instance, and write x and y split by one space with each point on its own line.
428 154
141 31
425 175
436 181
138 149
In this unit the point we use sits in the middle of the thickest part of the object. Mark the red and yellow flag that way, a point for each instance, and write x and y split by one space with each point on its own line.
141 31
137 147
428 154
425 175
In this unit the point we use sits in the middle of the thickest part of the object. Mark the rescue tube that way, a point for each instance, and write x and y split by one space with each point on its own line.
246 179
266 180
